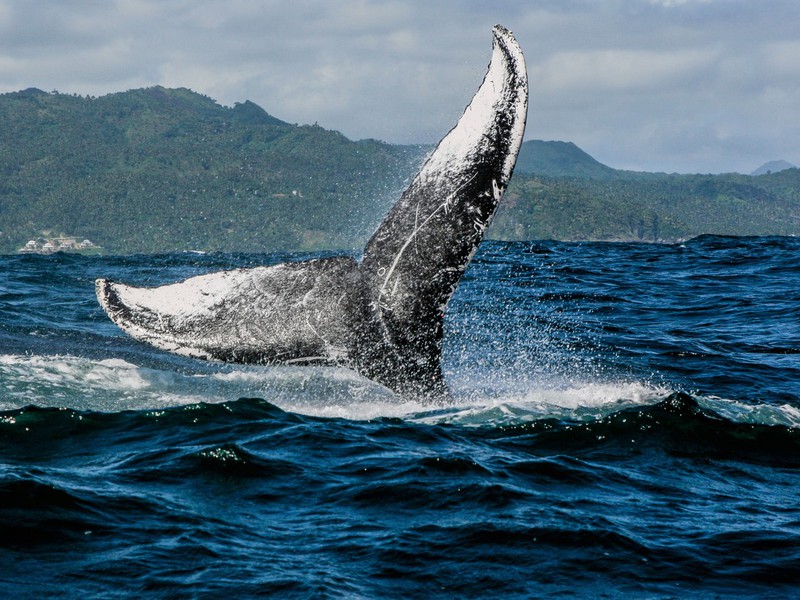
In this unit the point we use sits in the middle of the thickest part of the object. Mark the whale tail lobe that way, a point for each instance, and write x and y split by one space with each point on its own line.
417 256
383 316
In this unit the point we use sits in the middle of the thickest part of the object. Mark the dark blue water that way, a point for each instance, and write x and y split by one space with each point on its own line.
626 424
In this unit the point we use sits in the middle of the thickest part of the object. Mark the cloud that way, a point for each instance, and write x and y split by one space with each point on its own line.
692 85
621 71
684 86
677 3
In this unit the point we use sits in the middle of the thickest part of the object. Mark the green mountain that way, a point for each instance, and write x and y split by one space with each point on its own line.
561 192
657 208
157 170
560 159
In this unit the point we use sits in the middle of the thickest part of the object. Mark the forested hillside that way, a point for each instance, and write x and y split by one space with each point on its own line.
657 207
157 169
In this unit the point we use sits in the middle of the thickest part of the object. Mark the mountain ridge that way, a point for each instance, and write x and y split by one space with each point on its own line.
773 166
560 159
158 169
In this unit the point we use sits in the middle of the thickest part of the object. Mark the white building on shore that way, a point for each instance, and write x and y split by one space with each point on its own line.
59 244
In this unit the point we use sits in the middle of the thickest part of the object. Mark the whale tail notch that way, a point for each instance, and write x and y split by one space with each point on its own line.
383 316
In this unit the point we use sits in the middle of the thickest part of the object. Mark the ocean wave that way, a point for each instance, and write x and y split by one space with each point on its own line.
114 385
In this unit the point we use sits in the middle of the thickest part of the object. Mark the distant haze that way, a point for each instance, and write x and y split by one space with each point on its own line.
773 166
654 85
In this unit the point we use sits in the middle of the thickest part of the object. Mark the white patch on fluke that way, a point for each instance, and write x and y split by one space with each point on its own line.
456 150
190 297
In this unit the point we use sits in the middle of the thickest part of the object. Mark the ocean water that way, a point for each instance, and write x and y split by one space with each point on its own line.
625 423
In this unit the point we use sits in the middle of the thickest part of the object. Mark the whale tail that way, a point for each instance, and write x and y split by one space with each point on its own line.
383 316
417 256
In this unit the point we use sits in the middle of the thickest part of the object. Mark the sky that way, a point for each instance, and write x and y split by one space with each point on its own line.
687 86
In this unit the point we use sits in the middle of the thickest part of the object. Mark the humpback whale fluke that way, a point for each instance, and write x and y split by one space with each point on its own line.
383 316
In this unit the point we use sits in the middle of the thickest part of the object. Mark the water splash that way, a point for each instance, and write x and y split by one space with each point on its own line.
114 385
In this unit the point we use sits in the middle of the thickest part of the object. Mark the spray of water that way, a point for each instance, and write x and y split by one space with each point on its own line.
114 385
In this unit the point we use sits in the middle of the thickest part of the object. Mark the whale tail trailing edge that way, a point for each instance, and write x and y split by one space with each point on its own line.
383 316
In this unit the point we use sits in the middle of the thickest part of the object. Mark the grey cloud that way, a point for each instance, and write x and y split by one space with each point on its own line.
673 85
